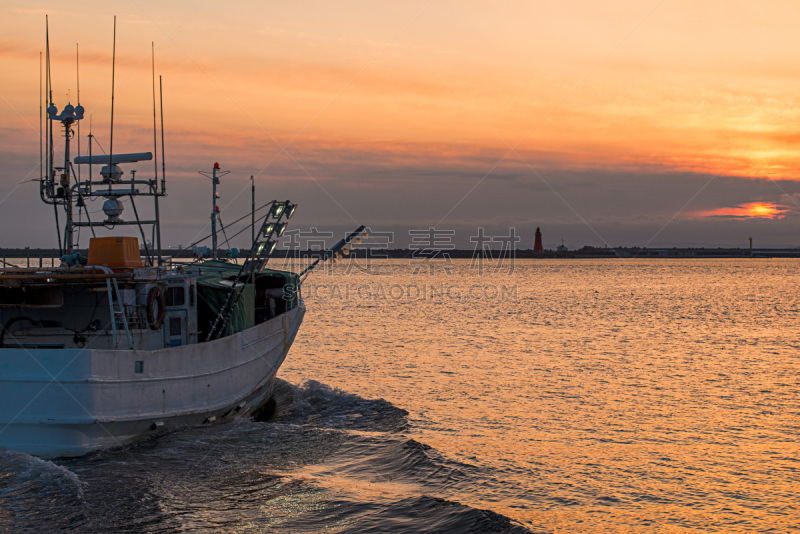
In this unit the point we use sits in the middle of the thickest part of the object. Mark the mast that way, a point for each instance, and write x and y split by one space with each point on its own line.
214 208
215 175
64 186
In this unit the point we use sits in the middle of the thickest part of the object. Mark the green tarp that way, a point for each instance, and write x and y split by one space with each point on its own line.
214 284
214 292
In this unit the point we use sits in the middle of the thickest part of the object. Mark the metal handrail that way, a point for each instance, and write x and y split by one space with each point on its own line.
109 282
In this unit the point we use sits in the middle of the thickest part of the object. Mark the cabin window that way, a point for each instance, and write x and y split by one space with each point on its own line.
191 294
175 296
174 326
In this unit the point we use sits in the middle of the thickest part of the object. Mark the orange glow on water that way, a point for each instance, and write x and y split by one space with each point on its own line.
614 393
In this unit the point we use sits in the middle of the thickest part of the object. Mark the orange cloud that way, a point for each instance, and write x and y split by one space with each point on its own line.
681 96
750 210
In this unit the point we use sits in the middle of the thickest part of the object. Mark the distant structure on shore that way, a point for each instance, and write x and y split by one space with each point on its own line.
537 242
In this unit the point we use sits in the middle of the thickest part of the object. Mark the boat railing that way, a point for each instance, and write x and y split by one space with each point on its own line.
40 261
28 261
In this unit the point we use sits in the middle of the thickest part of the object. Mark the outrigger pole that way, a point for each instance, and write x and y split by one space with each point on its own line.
342 248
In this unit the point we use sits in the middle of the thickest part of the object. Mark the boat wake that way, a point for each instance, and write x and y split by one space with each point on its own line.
28 485
327 461
320 405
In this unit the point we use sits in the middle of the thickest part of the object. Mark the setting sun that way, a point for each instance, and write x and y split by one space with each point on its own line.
750 210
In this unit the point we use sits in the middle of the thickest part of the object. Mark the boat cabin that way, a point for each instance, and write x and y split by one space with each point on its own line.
114 302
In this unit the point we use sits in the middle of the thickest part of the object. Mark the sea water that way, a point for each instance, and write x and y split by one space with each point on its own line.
423 395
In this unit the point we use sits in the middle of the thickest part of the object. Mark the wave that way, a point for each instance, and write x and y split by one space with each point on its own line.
425 514
26 482
320 405
354 449
328 461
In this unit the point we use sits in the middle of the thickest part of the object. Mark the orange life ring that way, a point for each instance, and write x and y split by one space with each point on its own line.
154 320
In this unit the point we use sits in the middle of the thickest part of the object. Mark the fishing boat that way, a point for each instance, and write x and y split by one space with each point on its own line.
106 349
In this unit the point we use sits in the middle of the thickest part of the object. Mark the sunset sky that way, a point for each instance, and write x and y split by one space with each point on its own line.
626 123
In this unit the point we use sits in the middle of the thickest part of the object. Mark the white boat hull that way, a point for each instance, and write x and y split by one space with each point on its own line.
69 402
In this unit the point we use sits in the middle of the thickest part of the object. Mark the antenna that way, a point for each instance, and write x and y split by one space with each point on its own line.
49 96
41 118
113 63
163 158
90 153
78 76
156 227
50 154
155 135
163 154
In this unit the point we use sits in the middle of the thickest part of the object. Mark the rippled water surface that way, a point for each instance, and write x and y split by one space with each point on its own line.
565 396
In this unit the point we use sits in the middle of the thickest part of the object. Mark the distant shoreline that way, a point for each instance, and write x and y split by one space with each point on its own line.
375 253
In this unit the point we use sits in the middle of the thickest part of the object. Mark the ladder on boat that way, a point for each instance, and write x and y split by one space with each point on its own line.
118 315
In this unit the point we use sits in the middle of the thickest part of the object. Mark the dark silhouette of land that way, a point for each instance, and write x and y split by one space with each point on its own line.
34 254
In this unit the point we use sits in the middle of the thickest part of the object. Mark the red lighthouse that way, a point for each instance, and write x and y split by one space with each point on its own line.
537 243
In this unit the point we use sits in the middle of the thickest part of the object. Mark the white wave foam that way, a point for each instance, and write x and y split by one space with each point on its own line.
23 472
318 404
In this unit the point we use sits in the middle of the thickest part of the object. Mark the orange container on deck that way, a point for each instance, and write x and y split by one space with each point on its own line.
115 252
